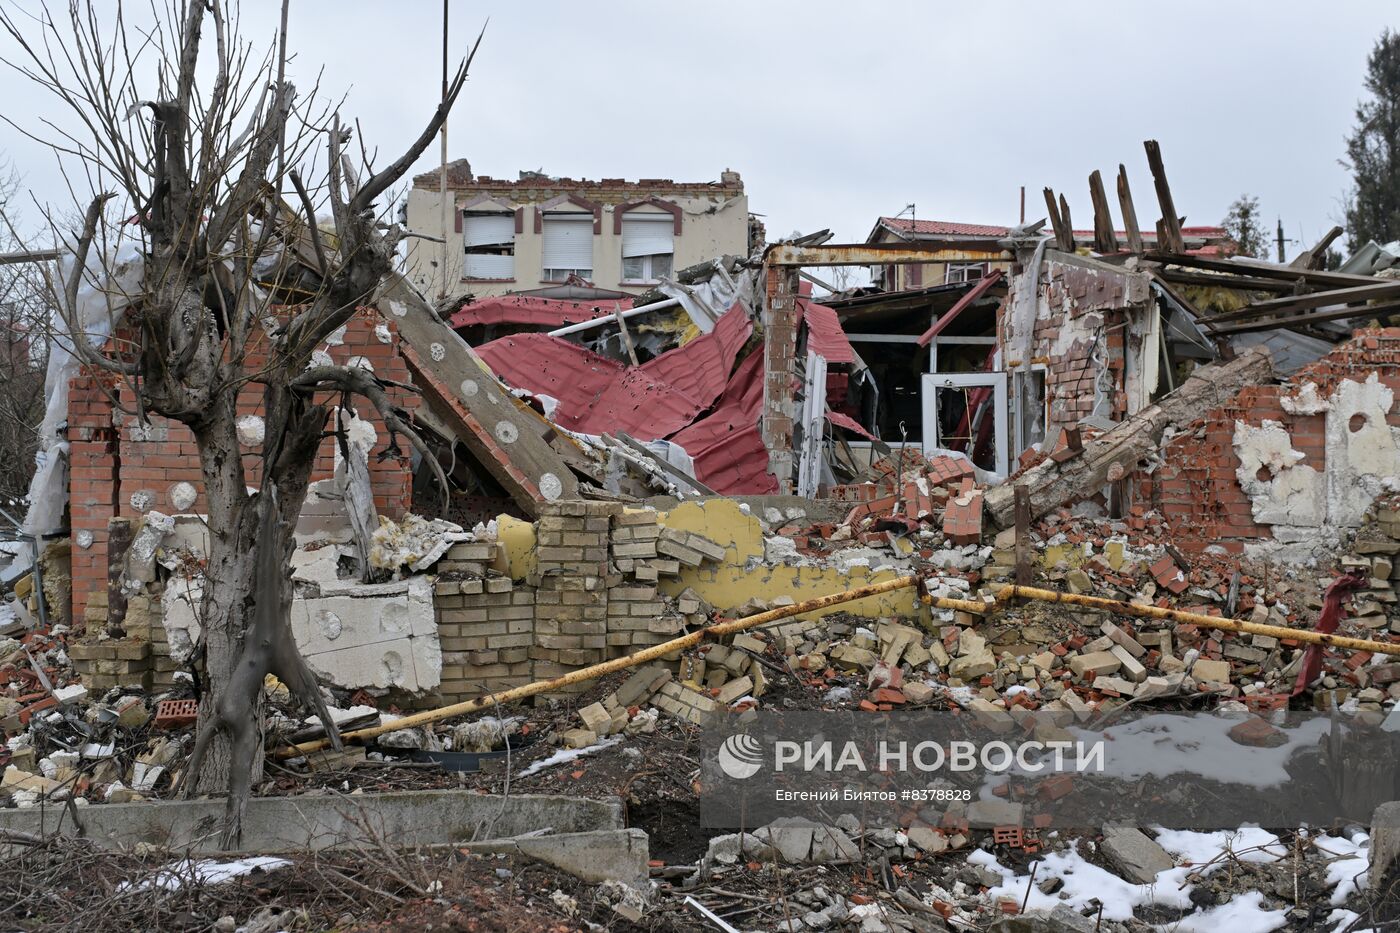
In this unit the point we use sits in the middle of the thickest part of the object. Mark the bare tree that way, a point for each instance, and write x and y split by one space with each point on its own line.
24 331
199 145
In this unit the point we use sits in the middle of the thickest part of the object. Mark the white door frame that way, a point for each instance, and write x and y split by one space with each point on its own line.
996 381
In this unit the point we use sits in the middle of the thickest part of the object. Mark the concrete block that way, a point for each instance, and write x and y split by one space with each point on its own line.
1137 857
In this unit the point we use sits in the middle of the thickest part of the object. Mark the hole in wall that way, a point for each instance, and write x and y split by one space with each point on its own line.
1357 422
1264 474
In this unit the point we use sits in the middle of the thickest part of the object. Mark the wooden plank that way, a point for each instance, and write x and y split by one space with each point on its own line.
1171 223
1125 204
1064 236
1241 283
1358 293
1266 270
981 288
1023 536
1105 241
1364 312
1069 224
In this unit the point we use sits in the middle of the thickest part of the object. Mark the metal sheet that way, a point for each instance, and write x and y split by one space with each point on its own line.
533 311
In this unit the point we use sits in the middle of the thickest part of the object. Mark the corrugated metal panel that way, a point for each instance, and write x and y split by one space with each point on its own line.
824 333
850 424
597 395
552 366
539 312
726 444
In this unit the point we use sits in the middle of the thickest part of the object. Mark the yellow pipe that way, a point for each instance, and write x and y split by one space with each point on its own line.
618 664
1010 591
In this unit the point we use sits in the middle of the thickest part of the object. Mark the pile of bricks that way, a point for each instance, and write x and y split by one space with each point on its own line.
103 665
637 616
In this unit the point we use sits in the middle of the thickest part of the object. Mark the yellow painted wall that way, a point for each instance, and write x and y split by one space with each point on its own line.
732 583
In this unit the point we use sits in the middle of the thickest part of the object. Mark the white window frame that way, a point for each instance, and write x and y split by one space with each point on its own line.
649 274
562 273
959 272
468 255
996 381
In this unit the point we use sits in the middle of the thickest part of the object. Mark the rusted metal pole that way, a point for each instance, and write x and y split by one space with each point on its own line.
620 664
1010 591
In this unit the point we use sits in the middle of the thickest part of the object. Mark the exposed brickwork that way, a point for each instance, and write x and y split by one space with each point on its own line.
117 461
1196 487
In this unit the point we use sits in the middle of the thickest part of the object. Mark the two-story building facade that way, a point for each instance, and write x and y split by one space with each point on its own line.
538 231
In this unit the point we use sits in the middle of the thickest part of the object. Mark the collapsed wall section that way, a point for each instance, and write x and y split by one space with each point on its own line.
123 466
1290 468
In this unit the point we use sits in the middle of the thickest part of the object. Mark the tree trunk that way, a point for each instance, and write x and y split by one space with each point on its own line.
1052 484
226 607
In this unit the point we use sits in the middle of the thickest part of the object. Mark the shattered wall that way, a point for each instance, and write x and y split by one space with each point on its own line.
124 467
1081 332
1288 469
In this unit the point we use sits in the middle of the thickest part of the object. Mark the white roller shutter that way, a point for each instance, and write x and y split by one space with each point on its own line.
480 230
568 242
647 235
485 229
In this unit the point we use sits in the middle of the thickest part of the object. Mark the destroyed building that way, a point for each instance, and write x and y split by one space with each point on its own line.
539 231
1054 471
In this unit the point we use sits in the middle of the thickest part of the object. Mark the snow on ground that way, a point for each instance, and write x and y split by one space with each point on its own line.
207 871
1195 853
1243 913
569 754
1351 860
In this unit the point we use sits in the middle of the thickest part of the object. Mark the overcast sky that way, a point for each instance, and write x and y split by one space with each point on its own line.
837 112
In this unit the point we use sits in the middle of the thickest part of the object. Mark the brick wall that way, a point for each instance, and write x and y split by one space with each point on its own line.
1196 488
120 467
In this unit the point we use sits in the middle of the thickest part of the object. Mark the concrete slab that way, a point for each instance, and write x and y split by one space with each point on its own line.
286 824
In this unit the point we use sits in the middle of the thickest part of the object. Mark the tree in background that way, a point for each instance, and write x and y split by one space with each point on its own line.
1243 223
1373 150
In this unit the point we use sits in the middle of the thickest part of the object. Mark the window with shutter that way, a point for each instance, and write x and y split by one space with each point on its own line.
648 242
489 240
567 246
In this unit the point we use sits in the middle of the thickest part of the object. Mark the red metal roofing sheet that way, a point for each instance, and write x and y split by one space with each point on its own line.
529 310
726 445
550 366
850 424
598 395
824 333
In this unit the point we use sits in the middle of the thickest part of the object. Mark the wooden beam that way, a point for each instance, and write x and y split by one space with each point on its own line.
1312 259
1069 224
1104 239
1380 312
1262 269
1239 283
1064 236
1171 223
1358 293
1125 204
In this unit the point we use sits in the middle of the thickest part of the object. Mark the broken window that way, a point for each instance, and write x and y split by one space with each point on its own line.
647 247
897 365
966 271
567 246
967 412
489 240
1030 404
